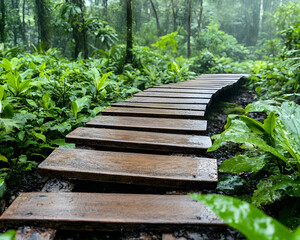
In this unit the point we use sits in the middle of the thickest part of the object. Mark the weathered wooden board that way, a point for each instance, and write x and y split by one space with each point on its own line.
153 112
137 140
167 100
173 95
178 106
178 90
181 126
131 168
104 211
169 86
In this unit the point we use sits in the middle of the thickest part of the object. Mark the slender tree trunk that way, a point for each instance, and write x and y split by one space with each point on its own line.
261 15
174 12
80 36
189 29
156 17
200 17
105 9
43 19
129 35
2 21
15 31
23 21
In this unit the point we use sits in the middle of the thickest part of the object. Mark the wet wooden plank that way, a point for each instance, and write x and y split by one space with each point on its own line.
181 126
173 95
137 140
177 106
153 112
131 168
167 100
179 90
105 211
173 86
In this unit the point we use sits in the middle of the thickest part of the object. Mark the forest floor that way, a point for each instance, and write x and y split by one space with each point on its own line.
217 118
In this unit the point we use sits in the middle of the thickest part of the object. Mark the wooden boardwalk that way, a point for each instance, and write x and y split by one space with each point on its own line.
155 138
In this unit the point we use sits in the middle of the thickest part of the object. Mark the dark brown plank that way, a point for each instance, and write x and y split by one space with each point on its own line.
178 90
172 95
178 106
153 112
167 100
181 126
169 86
104 211
131 168
137 140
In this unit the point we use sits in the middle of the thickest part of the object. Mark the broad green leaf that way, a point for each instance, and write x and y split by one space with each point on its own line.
270 123
2 187
229 120
243 163
240 133
74 108
3 159
32 66
101 81
9 235
253 124
32 103
1 92
42 67
230 184
274 188
244 217
6 64
267 106
39 136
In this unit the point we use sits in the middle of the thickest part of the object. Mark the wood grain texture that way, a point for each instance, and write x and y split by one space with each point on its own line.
167 100
153 112
181 126
179 90
131 168
103 211
173 95
126 139
177 106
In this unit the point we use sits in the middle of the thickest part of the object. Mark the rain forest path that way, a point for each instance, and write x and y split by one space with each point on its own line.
155 138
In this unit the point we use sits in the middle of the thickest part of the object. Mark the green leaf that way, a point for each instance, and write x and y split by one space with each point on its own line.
74 108
101 82
9 235
32 103
243 163
1 92
3 159
6 64
244 217
32 66
267 106
42 67
39 136
274 188
253 125
2 187
269 123
230 184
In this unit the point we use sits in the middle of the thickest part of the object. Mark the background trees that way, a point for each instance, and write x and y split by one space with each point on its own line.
82 26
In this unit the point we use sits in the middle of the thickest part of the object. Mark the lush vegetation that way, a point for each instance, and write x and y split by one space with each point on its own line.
62 62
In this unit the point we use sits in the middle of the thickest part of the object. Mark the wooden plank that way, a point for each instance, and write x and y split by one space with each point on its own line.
181 126
153 112
184 87
106 211
131 168
178 106
137 140
173 95
179 90
167 100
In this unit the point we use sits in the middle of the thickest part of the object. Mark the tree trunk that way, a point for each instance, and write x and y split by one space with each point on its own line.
156 17
43 19
23 22
15 31
80 36
200 17
189 29
174 16
2 21
129 35
261 15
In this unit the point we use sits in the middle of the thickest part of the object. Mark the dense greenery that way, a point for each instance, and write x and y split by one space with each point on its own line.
63 61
